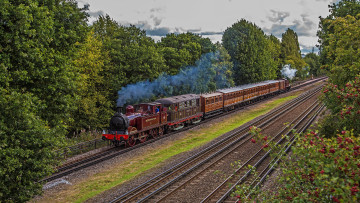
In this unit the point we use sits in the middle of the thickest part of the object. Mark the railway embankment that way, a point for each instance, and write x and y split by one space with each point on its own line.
98 182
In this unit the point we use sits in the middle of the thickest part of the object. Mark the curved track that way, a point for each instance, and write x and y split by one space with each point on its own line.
112 152
161 187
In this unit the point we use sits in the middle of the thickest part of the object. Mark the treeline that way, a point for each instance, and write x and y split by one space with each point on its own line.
58 75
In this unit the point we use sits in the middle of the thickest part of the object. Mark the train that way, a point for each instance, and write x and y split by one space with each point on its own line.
151 120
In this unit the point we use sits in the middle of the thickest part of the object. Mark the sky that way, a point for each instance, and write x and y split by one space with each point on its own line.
210 18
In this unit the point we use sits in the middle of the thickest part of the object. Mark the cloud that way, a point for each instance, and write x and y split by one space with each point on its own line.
156 10
150 30
161 31
210 33
303 27
278 16
308 49
96 14
157 21
331 1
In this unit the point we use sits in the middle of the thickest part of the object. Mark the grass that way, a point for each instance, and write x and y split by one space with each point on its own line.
123 172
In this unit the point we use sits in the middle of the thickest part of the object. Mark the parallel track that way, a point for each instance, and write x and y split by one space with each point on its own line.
150 189
113 152
258 160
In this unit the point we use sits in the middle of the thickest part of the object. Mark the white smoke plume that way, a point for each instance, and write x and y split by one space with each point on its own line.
288 72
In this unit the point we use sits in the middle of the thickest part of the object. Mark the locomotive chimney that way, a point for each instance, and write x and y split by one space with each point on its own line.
119 109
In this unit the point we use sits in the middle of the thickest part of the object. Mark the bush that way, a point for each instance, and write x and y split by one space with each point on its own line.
319 170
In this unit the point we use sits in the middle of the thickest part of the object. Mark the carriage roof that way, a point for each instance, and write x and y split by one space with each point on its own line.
178 99
247 86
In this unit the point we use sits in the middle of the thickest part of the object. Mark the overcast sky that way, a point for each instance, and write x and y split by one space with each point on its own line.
210 18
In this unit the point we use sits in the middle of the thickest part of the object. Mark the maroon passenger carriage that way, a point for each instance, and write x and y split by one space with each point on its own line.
167 114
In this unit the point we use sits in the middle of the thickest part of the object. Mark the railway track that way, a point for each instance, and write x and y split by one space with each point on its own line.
285 149
113 152
261 160
164 185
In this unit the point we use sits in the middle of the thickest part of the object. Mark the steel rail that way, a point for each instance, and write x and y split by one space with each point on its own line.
141 187
264 174
103 156
242 179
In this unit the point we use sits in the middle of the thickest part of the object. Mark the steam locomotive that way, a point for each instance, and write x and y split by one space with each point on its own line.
151 120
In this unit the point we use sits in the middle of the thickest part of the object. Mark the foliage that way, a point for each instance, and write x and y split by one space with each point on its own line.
344 105
319 170
249 48
339 9
26 147
290 51
184 49
133 56
343 50
313 61
275 50
37 39
213 71
37 88
94 106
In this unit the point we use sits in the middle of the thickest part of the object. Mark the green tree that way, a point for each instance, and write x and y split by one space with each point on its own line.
94 106
339 9
275 50
313 60
183 49
223 69
343 49
290 50
37 42
248 47
26 146
133 56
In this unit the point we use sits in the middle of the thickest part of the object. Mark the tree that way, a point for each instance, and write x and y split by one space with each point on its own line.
183 49
94 105
133 56
339 9
313 60
26 145
290 50
275 51
37 88
38 38
343 50
248 47
212 71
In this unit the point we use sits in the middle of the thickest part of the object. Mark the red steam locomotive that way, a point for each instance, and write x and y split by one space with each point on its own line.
156 118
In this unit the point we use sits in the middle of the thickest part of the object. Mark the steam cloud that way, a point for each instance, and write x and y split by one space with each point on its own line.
288 72
207 75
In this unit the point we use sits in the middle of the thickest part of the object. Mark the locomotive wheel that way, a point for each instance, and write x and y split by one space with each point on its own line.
143 137
161 131
131 141
154 134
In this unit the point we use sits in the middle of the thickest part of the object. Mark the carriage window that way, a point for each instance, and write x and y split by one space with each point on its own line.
181 105
216 99
198 102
